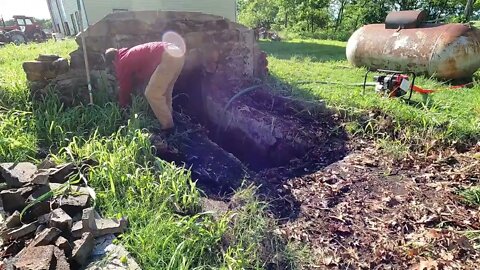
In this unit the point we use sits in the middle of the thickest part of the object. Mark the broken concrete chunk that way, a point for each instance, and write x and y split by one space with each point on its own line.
71 189
63 244
40 228
47 57
41 177
77 229
46 164
46 237
15 199
62 173
91 222
109 226
73 204
61 259
107 255
39 206
13 220
83 248
36 258
20 232
88 218
61 220
17 174
44 219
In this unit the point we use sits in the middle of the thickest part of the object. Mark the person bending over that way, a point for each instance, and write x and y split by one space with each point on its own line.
159 64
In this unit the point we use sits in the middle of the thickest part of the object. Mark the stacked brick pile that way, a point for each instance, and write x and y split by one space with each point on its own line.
51 72
49 223
44 69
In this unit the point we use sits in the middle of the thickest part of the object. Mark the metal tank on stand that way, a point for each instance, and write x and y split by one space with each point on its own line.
406 42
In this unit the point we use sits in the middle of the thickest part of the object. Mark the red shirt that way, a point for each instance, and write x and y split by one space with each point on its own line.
135 66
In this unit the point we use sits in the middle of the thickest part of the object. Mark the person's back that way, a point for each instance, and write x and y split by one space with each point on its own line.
142 59
159 64
136 65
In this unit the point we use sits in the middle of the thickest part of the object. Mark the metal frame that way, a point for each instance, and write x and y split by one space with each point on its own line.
391 72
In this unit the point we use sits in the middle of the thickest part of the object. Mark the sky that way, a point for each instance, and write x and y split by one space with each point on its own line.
35 8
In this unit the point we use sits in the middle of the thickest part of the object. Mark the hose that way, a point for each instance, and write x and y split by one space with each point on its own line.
241 93
232 99
334 83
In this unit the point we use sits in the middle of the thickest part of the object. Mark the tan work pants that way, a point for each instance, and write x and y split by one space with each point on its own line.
160 87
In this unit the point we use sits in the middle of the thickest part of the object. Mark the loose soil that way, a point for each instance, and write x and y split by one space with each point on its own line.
370 211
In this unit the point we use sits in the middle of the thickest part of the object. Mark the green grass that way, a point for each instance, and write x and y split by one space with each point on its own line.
447 116
167 227
472 196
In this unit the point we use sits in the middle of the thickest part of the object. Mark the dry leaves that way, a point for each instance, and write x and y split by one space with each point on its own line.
375 214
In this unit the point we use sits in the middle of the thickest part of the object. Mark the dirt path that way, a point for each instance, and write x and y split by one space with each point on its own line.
370 212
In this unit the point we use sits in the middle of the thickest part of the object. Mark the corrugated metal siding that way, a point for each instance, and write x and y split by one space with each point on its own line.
97 9
63 12
55 16
69 8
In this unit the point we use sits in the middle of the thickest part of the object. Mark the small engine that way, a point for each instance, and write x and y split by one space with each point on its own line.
395 85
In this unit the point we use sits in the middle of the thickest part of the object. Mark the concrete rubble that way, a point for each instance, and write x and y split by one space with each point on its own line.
17 175
36 258
108 256
41 215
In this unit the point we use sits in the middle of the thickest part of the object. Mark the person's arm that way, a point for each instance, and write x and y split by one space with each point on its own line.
125 81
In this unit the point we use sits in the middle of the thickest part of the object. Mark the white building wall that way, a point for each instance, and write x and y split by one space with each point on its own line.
57 21
97 9
62 11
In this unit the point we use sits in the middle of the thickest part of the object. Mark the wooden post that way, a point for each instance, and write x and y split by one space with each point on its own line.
85 55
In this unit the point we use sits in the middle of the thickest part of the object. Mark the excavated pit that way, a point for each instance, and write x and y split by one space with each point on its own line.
260 132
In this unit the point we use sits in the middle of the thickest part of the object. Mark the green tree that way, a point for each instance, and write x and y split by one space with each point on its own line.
257 13
45 23
345 15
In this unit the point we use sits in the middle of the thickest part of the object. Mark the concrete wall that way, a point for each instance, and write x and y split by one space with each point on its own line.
98 9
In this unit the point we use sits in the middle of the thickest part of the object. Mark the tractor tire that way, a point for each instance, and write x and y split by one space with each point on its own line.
39 36
17 37
4 38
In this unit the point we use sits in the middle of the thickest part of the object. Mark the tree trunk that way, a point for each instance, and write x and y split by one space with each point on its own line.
340 15
468 9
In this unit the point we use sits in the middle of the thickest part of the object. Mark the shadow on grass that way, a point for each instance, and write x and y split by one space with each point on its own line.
315 51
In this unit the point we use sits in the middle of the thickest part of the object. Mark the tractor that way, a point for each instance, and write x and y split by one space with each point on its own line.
24 29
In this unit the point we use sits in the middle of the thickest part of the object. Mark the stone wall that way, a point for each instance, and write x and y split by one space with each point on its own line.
212 43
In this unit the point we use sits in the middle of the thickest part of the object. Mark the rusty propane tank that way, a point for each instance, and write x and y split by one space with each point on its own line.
406 43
